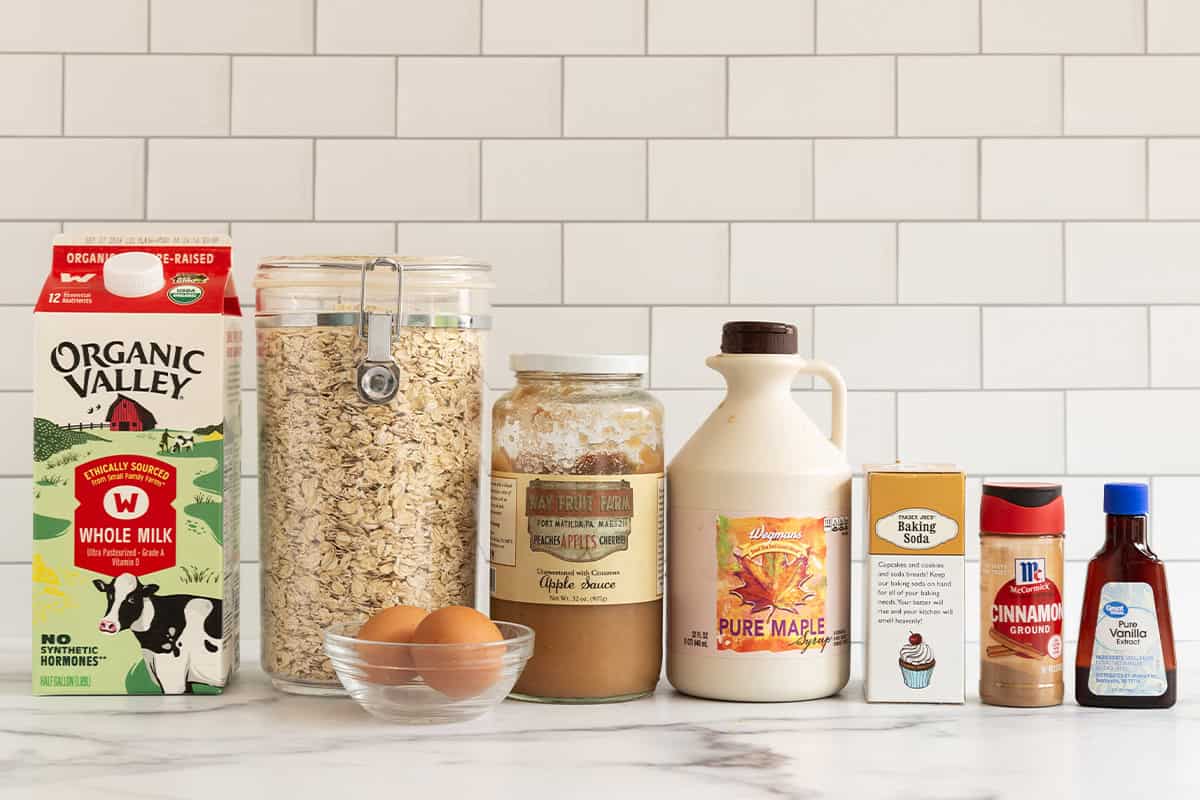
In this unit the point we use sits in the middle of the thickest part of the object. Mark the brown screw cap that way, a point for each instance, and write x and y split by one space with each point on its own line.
759 337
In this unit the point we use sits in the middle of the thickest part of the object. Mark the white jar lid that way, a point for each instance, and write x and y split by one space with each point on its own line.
580 363
133 274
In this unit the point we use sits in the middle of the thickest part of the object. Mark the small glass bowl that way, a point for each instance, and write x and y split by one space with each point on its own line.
428 684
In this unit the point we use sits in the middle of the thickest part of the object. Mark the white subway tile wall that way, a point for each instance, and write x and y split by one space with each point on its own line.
983 211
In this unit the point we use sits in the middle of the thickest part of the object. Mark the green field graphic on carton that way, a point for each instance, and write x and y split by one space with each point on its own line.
49 527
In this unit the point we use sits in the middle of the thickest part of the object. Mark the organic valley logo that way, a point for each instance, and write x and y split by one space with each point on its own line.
118 366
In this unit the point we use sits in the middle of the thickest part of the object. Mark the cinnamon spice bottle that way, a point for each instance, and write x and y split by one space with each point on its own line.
1021 608
1126 655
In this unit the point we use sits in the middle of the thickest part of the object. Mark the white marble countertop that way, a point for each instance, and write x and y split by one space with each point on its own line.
256 742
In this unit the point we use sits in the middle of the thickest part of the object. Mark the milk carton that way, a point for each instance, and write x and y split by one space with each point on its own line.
135 467
915 583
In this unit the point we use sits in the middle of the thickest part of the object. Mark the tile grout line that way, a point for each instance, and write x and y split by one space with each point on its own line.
979 27
781 221
896 264
729 263
283 137
812 180
146 179
62 90
727 97
791 54
1146 179
650 344
1149 347
896 425
1066 463
815 22
896 96
982 386
979 179
1063 261
646 179
479 183
1062 96
229 99
315 5
1146 26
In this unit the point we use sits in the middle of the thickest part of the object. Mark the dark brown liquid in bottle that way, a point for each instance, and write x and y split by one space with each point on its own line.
1124 557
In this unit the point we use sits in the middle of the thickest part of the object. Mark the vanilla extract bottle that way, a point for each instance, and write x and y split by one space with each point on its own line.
1126 655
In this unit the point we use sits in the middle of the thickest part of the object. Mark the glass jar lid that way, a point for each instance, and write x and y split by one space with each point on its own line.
419 291
580 363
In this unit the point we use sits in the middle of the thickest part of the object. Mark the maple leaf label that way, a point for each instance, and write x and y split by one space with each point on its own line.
771 584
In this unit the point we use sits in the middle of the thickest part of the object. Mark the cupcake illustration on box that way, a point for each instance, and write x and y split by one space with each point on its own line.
916 662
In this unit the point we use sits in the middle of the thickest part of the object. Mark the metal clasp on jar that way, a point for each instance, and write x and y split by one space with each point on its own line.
378 376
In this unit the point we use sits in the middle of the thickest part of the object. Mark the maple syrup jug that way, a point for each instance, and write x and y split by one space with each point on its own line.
758 556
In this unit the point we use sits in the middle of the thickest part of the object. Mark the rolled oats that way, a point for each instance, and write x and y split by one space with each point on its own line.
363 506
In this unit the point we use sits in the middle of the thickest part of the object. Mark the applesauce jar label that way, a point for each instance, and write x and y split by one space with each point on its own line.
577 539
1127 656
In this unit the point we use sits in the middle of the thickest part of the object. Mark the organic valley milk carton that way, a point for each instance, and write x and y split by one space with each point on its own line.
135 467
915 593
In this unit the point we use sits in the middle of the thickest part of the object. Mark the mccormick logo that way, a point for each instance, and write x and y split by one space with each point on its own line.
1029 571
118 366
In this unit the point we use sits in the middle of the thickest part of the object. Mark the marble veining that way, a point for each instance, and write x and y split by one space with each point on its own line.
254 741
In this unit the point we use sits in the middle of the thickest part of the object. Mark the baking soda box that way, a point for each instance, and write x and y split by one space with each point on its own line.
916 583
135 467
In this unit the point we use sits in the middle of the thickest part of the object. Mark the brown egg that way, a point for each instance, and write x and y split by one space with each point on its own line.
452 671
395 624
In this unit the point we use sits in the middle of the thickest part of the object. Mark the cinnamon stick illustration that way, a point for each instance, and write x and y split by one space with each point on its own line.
1017 647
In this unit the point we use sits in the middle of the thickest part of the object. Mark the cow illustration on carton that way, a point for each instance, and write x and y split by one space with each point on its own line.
135 466
180 634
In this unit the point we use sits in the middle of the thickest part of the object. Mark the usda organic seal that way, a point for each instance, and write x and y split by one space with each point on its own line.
184 295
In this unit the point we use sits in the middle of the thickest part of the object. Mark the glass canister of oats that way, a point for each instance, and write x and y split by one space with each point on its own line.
370 395
577 525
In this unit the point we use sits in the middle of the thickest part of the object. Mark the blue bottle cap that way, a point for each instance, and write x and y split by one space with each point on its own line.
1126 499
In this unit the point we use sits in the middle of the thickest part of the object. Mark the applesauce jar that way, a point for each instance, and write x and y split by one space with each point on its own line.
577 525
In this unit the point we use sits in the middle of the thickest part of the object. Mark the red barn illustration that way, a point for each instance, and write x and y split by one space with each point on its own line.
126 414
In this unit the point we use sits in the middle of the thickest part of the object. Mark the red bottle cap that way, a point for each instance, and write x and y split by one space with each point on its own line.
1031 509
